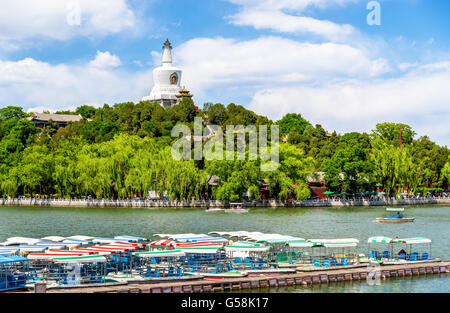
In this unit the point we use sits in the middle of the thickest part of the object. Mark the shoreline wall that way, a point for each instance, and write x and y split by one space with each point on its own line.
218 203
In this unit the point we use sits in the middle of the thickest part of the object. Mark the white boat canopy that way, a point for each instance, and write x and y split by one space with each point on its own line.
201 250
340 244
81 259
301 244
343 240
31 248
250 248
19 241
380 239
82 238
411 241
395 209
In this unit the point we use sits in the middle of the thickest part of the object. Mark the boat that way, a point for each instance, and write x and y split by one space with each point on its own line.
223 275
212 210
236 208
388 257
397 218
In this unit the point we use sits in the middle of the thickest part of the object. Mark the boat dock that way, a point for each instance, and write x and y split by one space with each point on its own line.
266 281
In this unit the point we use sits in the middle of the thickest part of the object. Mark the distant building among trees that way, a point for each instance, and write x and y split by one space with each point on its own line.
62 120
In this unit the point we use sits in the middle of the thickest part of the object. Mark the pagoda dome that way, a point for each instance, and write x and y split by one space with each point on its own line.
166 79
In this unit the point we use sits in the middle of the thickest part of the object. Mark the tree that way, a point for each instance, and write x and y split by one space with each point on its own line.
391 133
86 111
446 171
292 121
395 169
185 110
216 114
11 112
354 163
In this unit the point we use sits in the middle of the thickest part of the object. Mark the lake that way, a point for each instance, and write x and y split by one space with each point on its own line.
345 222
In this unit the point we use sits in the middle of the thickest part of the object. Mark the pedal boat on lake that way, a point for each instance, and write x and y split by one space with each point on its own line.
212 210
236 208
391 254
397 218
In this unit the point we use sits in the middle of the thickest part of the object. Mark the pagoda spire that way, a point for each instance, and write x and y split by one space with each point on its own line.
167 54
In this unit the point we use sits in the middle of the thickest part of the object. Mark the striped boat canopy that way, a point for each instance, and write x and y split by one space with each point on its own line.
82 238
81 259
7 252
78 241
395 209
303 244
411 241
381 239
50 256
130 238
152 254
163 242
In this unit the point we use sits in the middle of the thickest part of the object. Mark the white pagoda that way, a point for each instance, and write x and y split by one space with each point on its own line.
166 80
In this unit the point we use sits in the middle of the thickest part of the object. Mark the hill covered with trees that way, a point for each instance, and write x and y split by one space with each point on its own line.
125 149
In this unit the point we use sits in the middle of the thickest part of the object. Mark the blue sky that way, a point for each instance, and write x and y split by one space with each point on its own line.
319 58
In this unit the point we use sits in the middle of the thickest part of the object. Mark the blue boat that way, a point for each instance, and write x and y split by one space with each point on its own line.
399 217
12 274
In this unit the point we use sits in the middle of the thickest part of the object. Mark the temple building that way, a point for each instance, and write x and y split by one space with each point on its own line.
167 90
62 120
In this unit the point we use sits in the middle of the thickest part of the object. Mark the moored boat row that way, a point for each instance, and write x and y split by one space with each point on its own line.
84 260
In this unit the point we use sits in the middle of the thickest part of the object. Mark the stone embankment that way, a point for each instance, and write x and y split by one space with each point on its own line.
217 203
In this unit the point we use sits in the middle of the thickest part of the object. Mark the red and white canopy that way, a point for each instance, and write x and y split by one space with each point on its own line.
168 243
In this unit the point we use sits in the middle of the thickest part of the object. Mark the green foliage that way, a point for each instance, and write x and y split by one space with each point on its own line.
395 168
393 132
292 121
124 149
446 171
86 111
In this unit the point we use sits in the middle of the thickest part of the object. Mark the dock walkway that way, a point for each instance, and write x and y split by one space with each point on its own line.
265 281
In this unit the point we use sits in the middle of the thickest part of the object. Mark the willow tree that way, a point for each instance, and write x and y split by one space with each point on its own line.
290 176
395 168
446 171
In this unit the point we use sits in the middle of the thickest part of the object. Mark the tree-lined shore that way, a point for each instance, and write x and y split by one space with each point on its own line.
124 150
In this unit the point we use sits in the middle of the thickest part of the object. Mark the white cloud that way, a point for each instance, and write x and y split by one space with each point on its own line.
33 84
296 5
285 23
417 99
105 60
25 19
270 14
270 61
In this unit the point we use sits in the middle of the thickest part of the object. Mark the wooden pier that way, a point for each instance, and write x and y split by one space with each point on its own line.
266 281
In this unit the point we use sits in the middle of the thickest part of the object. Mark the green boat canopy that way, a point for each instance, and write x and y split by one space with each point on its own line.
328 193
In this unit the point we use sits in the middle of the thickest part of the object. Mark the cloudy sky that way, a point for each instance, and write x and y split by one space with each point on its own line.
319 58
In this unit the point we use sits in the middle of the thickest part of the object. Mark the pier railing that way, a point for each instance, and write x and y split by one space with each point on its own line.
386 201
